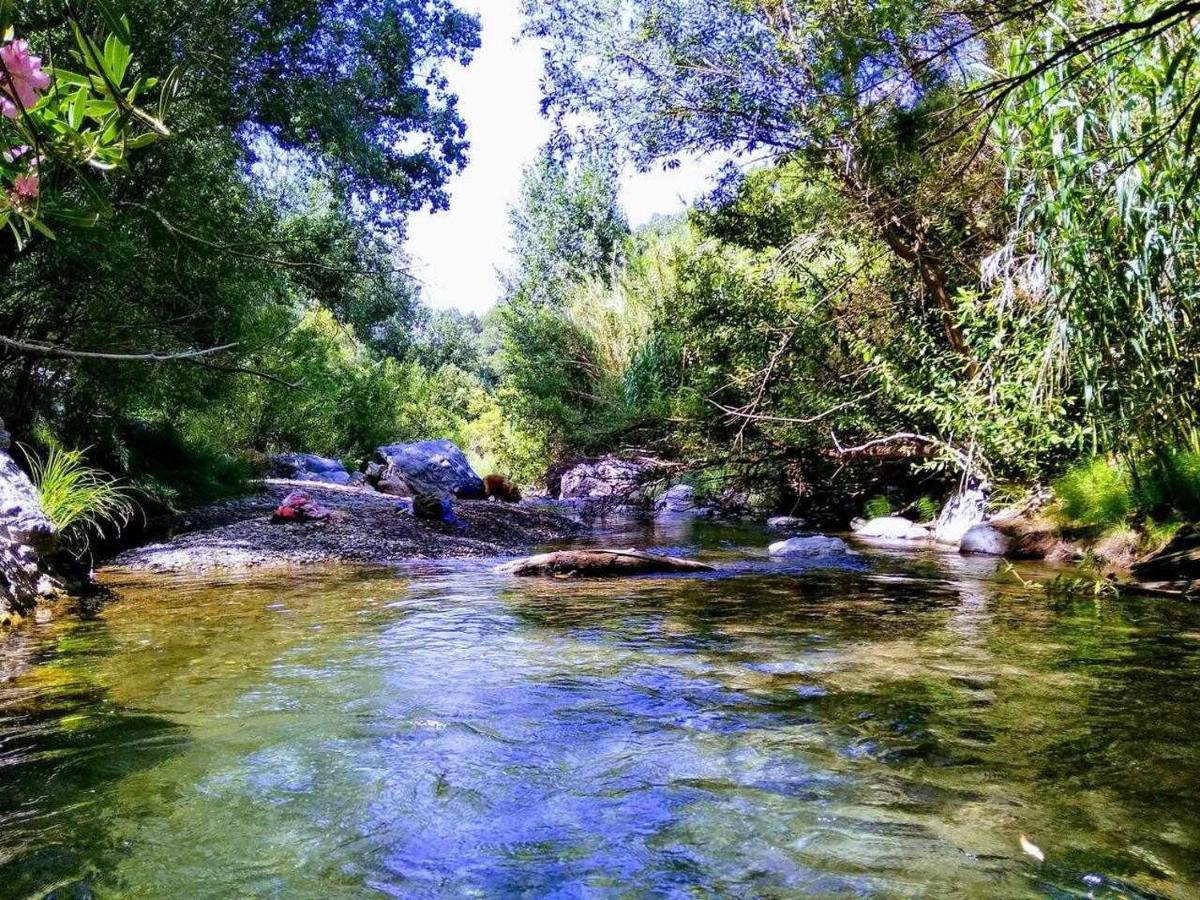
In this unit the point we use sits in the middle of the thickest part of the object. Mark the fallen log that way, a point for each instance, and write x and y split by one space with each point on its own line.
600 563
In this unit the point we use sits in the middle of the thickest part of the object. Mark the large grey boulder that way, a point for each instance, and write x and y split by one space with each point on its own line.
432 466
809 545
309 467
984 540
619 481
892 528
25 533
676 501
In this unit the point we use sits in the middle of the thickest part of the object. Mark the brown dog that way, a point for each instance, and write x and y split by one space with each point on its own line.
501 488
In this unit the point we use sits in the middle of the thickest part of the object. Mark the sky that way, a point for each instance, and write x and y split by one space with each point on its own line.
456 253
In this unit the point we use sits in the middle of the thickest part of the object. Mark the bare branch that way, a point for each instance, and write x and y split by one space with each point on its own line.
40 348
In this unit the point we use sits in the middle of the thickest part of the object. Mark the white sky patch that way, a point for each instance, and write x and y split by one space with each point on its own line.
456 254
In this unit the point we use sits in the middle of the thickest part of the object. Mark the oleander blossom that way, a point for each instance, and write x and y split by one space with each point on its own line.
24 191
22 78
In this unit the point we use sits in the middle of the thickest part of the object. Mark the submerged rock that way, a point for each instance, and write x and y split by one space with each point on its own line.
809 545
601 563
434 466
985 540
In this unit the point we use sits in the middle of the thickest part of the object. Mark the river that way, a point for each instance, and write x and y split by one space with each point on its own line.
883 725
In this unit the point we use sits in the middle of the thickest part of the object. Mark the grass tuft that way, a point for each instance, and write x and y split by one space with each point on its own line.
80 500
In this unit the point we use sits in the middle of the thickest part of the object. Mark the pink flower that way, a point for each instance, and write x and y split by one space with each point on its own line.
25 190
21 78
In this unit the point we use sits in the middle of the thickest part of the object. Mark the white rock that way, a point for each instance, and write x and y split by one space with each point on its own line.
893 528
811 545
986 541
962 511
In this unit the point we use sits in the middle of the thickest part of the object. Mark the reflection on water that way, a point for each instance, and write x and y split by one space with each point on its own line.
883 727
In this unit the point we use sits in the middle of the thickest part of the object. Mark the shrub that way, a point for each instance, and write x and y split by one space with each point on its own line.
877 507
926 509
81 501
1177 478
1095 494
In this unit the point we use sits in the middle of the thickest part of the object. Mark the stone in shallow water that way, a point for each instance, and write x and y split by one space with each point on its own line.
601 563
985 540
812 545
893 528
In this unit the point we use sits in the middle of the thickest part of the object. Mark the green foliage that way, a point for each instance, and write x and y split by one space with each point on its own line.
80 500
94 110
926 509
1178 474
877 507
1100 274
1095 494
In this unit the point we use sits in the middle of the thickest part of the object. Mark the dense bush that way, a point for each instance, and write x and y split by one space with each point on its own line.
1095 494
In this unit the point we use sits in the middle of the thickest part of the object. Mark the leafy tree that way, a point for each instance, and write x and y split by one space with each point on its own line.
567 227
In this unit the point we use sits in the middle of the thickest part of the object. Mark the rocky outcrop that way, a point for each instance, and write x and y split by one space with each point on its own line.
309 467
601 563
25 535
809 545
608 479
430 466
1174 568
964 510
679 500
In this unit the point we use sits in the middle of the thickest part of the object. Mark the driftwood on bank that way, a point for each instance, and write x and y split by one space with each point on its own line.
601 563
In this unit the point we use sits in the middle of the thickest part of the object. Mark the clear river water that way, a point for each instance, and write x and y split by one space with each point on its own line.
883 725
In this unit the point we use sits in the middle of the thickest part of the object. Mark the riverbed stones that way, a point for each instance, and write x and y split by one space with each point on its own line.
985 540
434 466
809 545
785 523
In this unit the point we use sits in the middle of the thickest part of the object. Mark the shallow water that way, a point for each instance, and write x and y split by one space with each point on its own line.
886 727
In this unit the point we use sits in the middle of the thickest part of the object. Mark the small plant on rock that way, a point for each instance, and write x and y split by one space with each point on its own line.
81 501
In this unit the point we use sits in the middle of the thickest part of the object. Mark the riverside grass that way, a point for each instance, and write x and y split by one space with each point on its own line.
81 501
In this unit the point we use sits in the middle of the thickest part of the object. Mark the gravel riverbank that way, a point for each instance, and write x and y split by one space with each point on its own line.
367 527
